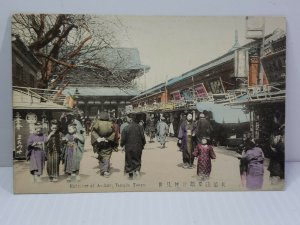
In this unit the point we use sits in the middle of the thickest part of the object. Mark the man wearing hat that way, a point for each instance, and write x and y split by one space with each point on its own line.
162 131
204 129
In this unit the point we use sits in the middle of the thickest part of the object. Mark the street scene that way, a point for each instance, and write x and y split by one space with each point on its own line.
148 103
162 170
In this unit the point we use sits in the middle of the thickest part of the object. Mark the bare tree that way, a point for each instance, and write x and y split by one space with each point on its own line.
64 42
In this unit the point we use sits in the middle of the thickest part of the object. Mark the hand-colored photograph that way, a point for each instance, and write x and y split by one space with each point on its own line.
148 103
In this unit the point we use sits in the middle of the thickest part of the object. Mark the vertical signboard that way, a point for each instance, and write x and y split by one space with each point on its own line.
23 128
200 90
22 131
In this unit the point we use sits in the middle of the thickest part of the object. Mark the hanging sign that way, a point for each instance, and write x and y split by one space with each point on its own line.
200 90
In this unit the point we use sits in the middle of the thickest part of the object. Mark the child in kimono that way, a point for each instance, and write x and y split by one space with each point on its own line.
73 152
36 152
205 153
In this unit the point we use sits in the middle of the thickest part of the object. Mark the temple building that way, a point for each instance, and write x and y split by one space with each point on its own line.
108 87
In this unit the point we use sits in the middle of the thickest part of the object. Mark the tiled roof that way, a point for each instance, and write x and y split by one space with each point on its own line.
151 90
119 59
218 61
100 91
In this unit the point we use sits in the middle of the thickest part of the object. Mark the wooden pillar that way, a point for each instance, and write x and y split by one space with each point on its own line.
253 67
253 71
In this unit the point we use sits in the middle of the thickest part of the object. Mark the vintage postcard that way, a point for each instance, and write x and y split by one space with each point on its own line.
148 103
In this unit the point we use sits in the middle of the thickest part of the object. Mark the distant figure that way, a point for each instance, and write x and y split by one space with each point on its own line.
36 152
205 153
162 131
87 125
124 124
119 122
171 130
151 126
133 139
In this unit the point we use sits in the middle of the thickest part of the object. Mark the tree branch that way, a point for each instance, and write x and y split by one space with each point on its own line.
77 50
68 65
49 35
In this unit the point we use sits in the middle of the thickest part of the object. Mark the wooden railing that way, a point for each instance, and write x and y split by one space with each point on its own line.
43 94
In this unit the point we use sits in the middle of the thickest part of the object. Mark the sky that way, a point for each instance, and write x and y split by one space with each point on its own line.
172 46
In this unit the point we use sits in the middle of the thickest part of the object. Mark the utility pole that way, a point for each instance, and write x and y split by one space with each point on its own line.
166 91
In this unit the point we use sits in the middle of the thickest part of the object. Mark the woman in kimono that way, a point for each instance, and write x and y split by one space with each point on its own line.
254 159
205 153
73 152
186 142
36 152
53 151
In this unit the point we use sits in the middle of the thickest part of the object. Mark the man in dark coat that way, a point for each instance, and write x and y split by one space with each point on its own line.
133 139
204 128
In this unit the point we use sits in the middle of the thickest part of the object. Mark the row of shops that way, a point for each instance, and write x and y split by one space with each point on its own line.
242 92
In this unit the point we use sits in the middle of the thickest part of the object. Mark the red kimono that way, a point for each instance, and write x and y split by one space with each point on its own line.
204 153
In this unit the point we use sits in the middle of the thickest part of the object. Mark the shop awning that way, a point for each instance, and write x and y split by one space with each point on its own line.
224 113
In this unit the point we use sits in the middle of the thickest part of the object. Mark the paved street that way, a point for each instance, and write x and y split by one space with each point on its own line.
161 171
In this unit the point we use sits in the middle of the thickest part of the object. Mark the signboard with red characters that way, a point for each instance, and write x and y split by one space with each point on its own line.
200 90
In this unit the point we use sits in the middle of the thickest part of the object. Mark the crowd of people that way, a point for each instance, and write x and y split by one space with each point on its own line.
65 140
55 147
